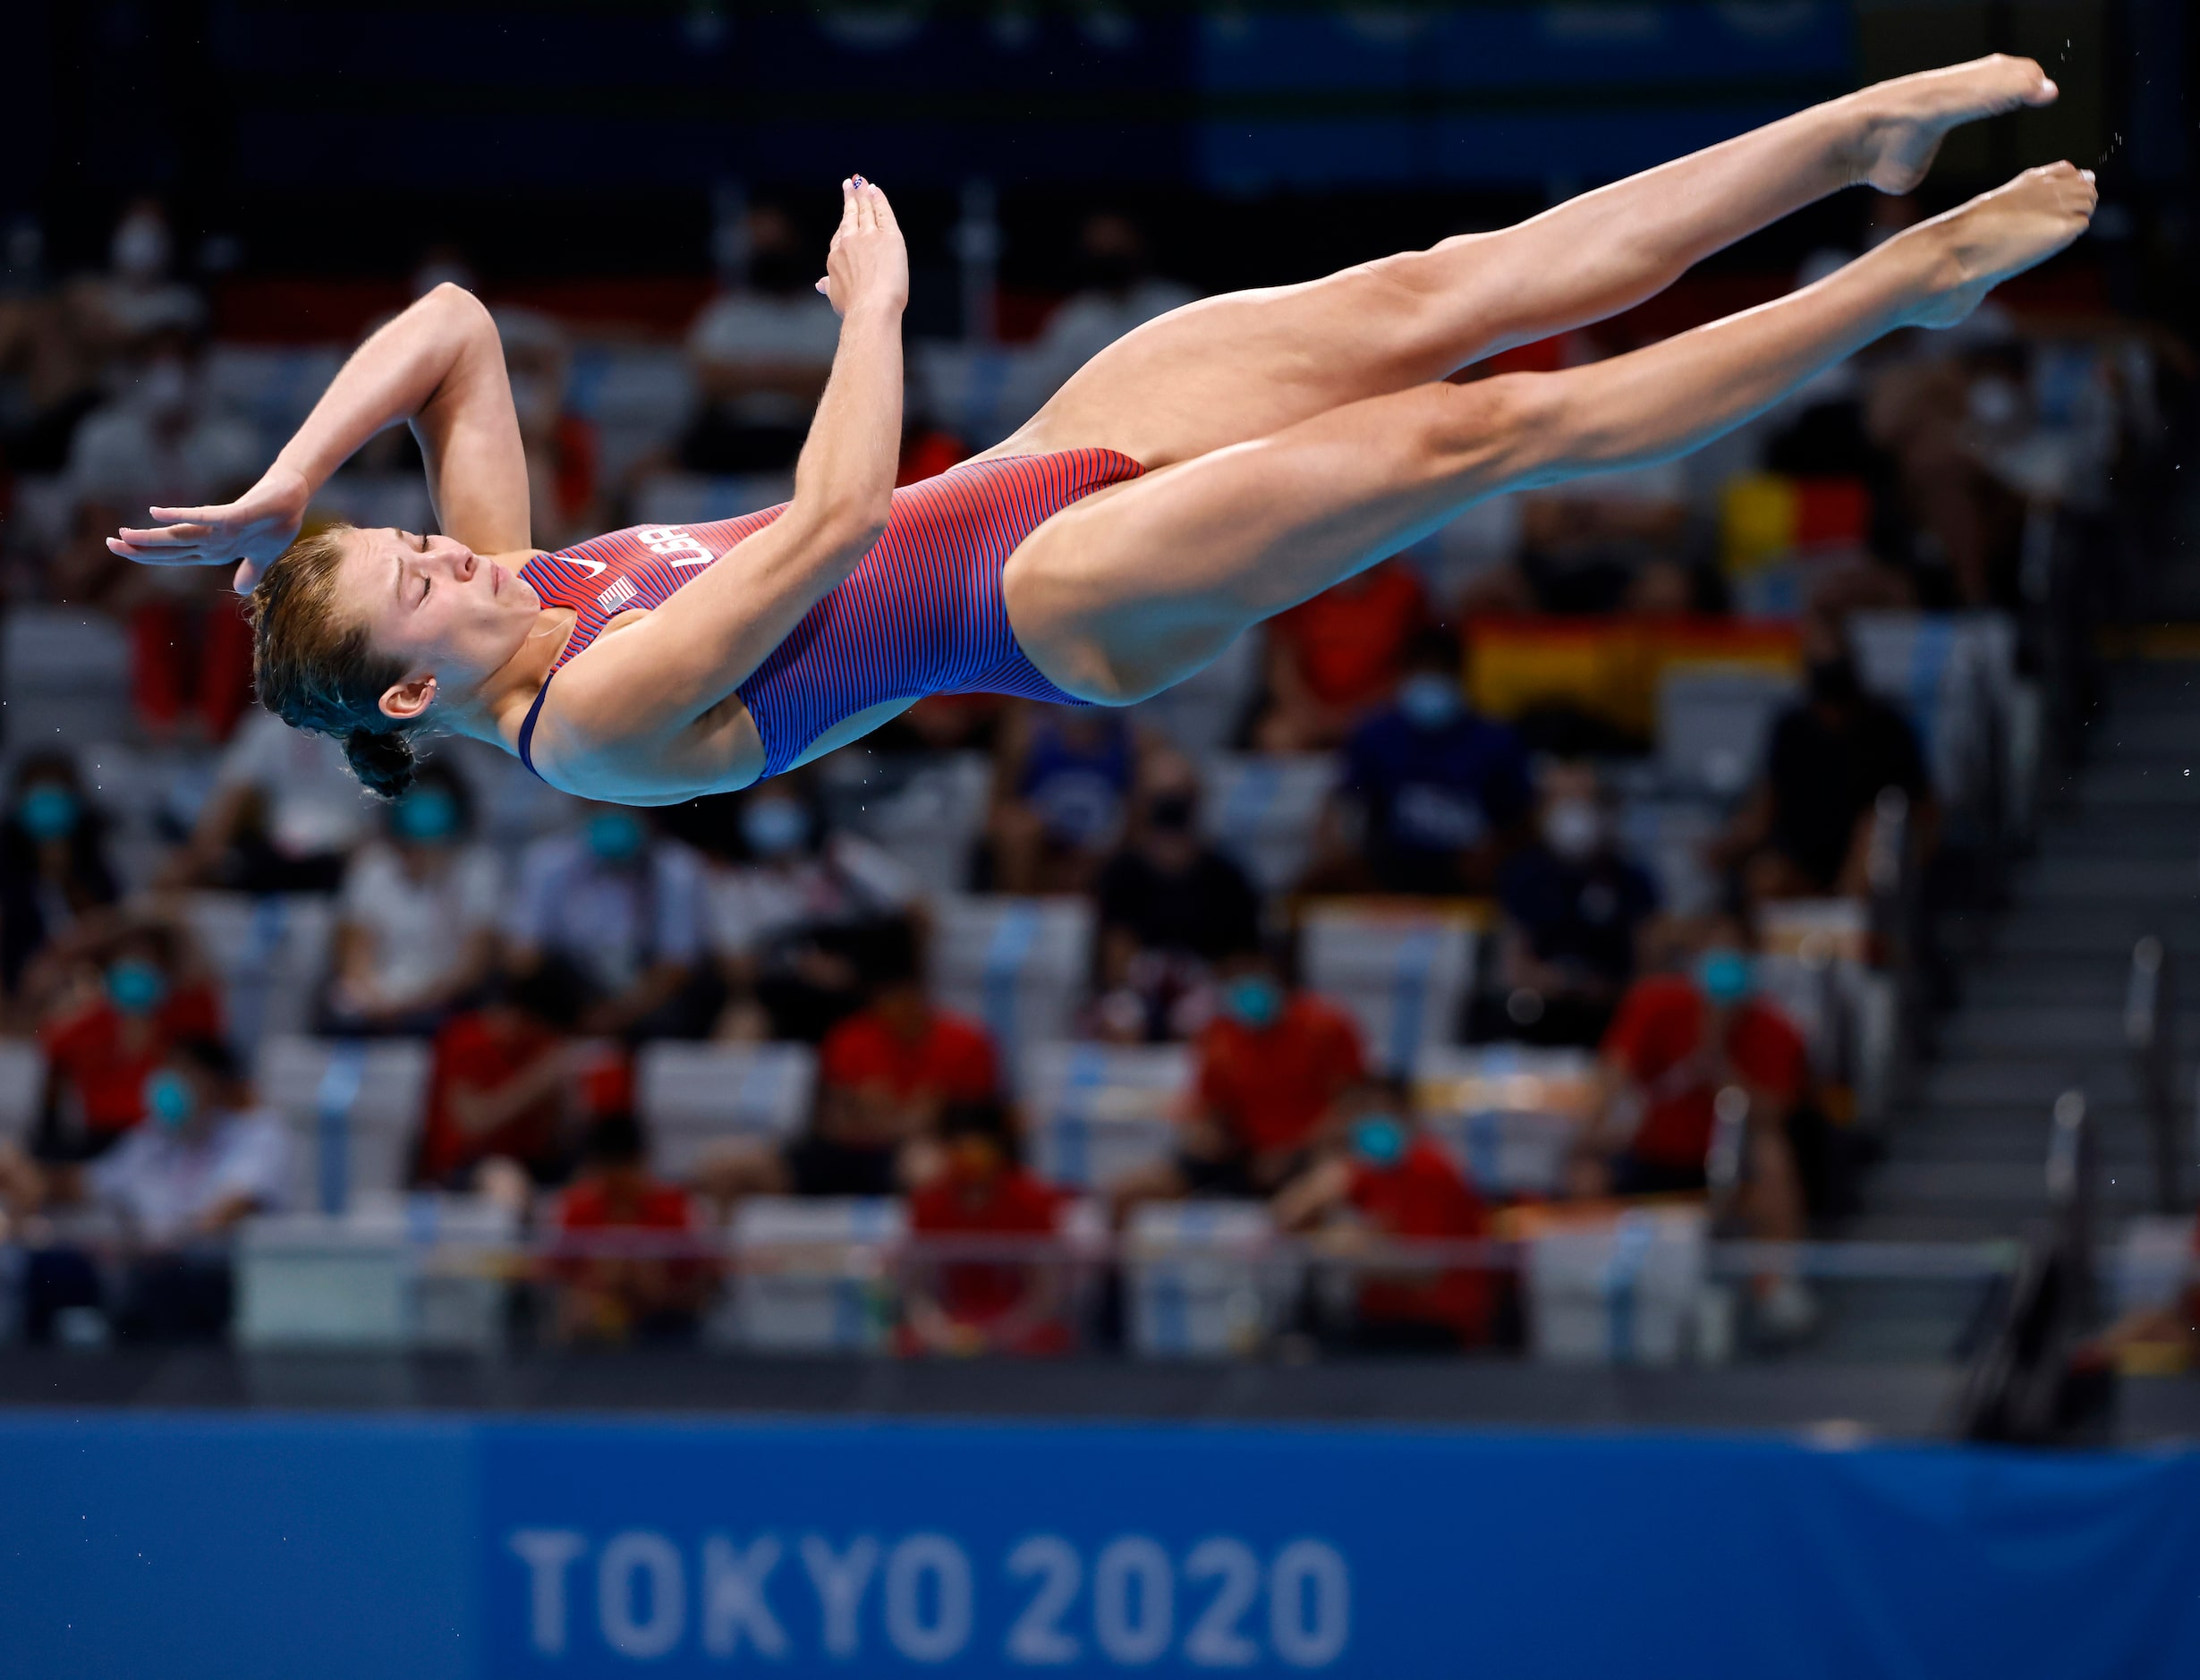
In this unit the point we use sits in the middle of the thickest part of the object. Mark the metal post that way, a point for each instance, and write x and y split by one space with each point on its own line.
2150 1029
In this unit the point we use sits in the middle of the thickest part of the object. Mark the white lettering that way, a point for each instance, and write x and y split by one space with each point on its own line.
640 1551
668 542
734 1601
1302 1642
841 1582
938 1558
1134 1610
1038 1636
1214 1641
546 1552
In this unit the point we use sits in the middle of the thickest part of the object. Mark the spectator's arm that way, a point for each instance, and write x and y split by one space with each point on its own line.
659 985
231 1209
1750 829
478 1110
1303 1202
220 821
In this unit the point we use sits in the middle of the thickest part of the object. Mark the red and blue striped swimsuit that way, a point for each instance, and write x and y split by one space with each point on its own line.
922 614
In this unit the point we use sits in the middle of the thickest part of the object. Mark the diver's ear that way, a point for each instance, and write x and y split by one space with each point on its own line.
406 703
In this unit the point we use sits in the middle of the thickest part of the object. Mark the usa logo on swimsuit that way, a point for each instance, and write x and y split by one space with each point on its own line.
668 542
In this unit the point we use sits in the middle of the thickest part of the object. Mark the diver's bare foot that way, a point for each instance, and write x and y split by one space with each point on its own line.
1906 120
2003 233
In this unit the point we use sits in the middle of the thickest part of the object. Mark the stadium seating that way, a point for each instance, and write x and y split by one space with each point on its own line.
391 1271
1201 1279
687 498
812 1276
1403 969
64 677
354 1108
269 955
690 1096
1713 724
1019 965
1507 1113
1200 714
1261 808
927 812
22 1083
1098 1112
1622 1288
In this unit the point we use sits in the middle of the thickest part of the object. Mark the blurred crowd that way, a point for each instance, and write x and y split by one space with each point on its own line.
539 952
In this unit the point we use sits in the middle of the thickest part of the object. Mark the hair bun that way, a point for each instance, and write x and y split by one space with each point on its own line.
381 758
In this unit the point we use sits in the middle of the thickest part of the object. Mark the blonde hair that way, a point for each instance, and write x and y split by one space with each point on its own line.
314 667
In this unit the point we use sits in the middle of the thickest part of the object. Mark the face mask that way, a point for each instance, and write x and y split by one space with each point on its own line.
1378 1139
1253 1000
615 836
1574 827
135 987
1171 813
170 1100
1428 701
140 248
428 816
47 812
773 826
165 388
1726 976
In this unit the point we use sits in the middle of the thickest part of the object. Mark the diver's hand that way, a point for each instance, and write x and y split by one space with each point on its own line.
252 531
868 263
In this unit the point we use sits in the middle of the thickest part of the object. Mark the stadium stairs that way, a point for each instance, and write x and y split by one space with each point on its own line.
2042 999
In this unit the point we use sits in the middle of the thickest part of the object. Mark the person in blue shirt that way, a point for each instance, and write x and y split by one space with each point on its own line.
1438 791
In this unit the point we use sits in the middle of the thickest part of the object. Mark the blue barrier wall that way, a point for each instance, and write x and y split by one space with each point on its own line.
181 1546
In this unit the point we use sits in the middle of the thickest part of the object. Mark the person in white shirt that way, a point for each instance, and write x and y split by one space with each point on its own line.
613 912
203 1161
761 353
416 917
285 814
1120 291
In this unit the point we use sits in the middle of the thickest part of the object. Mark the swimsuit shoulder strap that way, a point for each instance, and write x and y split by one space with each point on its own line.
527 728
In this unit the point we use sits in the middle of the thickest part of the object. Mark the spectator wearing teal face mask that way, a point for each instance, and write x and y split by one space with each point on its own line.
416 917
615 911
1378 1180
130 996
204 1160
1270 1066
54 873
1683 1048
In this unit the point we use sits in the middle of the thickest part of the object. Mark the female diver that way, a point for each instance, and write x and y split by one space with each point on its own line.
1210 470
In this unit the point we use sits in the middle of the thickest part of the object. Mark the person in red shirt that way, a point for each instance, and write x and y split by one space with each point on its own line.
1682 1048
1271 1064
1379 1177
983 1190
1333 660
654 1290
885 1075
101 1047
506 1085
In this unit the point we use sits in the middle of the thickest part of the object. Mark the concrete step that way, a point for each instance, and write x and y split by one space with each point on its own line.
1999 980
1999 1082
2073 929
2036 1030
2103 788
2120 881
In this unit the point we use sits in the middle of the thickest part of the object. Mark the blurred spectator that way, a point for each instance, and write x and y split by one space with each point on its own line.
133 1001
1170 907
654 1290
885 1075
285 813
1061 779
1613 541
1271 1064
794 914
53 869
983 1190
416 919
616 911
508 1084
1433 789
1687 1054
562 455
55 347
1335 658
179 1184
1116 291
1806 829
139 292
1380 1178
761 353
1574 910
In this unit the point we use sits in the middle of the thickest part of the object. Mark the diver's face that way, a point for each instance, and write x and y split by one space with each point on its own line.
436 606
